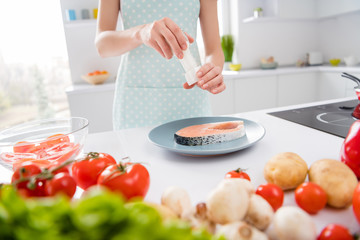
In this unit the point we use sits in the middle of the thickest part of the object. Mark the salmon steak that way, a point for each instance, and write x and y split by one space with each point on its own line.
209 133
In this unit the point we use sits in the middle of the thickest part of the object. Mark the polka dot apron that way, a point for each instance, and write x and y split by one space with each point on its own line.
149 88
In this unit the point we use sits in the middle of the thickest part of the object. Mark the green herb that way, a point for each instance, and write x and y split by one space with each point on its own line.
227 45
98 215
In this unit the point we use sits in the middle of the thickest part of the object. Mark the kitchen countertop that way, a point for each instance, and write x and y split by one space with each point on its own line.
199 175
230 75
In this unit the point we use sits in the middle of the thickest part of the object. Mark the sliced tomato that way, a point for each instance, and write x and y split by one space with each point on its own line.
23 147
10 157
56 139
61 152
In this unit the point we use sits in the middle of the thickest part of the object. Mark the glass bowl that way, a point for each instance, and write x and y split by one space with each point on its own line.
45 142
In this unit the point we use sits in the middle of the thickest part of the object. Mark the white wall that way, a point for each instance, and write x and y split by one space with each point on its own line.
340 37
290 38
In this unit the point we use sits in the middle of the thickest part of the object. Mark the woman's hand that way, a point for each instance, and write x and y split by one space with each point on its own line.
210 79
165 37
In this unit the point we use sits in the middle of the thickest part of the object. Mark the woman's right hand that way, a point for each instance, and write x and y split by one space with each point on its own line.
166 37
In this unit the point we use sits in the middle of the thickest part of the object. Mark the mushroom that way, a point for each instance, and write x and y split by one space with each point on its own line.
201 220
229 201
178 200
260 212
241 231
291 223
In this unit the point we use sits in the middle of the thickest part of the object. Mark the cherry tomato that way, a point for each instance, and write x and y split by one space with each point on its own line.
61 183
238 173
97 72
335 232
131 180
310 197
87 171
52 166
23 147
356 203
271 193
27 188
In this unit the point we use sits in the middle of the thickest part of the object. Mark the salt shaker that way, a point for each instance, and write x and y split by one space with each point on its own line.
190 66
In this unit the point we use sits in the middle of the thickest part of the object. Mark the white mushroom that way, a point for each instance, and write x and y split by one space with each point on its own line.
260 212
229 201
178 200
201 220
241 231
292 223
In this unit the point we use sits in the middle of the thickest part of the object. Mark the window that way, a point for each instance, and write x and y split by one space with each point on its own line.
34 68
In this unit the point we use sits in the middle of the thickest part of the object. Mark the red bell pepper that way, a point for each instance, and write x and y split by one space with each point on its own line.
350 150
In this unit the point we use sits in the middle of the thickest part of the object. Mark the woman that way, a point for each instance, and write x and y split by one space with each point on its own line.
150 87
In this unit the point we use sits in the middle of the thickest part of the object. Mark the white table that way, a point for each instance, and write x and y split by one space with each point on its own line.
199 175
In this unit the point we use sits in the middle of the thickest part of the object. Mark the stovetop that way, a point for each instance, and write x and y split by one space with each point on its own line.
333 118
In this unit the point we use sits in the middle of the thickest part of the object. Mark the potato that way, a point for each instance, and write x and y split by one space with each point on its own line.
287 170
337 180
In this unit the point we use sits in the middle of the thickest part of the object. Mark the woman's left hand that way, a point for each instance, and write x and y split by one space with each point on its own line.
210 79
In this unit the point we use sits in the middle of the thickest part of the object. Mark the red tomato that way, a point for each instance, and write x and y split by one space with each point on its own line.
238 173
356 202
61 183
97 72
271 193
19 178
52 166
23 147
335 232
310 197
87 171
131 180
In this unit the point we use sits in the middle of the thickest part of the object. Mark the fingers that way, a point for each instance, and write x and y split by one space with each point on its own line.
177 33
207 72
186 86
219 88
210 78
166 37
172 41
191 39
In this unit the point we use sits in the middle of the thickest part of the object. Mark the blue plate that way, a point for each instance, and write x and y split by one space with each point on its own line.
163 136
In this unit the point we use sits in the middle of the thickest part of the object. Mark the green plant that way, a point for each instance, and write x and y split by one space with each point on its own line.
259 9
227 45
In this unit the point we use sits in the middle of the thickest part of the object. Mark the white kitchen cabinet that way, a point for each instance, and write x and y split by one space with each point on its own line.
331 85
297 88
93 103
223 103
255 93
